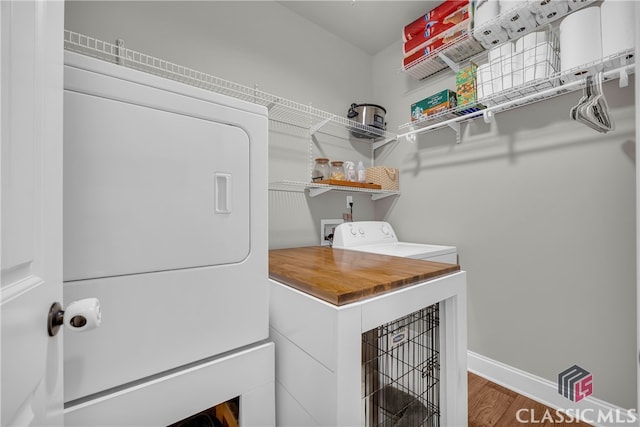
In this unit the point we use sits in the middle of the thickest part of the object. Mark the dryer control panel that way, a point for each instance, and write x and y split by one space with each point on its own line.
354 234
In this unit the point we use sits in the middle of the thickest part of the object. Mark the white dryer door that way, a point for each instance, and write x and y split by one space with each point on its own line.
150 189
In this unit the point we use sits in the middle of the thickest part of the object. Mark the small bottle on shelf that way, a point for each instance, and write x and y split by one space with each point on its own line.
361 174
350 171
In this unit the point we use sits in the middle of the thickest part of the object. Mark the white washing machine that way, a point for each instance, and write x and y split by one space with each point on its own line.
164 193
324 342
378 237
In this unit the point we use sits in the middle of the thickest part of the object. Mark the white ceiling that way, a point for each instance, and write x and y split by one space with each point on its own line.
371 25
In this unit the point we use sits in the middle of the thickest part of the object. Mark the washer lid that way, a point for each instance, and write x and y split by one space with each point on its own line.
407 250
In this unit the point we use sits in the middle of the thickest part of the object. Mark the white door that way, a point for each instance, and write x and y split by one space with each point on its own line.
31 37
637 209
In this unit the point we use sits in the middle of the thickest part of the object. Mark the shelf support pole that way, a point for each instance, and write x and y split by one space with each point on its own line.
120 51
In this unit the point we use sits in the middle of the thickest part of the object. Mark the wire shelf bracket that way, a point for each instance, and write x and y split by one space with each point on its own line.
382 143
450 62
624 78
456 128
316 191
378 196
488 116
315 128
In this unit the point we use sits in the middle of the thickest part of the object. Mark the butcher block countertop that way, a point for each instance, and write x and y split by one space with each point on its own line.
340 276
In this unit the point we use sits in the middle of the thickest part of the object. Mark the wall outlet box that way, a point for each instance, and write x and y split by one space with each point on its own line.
349 201
327 227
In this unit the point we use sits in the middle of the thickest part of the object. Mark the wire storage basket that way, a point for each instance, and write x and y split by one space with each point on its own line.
515 69
401 371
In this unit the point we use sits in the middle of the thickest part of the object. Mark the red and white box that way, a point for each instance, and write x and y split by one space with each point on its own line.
438 41
436 15
435 28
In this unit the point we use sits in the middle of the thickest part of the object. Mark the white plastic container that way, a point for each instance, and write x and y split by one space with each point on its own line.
350 171
361 172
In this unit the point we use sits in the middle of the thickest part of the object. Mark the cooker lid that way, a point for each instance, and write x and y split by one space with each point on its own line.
369 105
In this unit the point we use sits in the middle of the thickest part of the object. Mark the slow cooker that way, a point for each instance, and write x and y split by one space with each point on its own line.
367 115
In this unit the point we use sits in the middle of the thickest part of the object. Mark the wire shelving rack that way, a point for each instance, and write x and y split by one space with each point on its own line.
280 109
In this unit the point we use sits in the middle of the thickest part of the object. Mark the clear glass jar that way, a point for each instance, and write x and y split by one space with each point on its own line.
337 170
321 169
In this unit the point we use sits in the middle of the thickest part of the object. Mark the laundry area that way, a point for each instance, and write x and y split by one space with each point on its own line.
317 213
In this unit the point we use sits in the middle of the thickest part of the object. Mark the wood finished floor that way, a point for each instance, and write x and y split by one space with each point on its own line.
491 405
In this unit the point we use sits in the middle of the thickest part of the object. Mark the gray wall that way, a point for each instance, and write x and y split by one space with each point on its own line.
541 208
256 43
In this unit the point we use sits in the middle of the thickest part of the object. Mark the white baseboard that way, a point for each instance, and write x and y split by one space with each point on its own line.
590 410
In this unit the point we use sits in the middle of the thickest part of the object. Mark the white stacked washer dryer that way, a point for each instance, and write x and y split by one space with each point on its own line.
164 196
